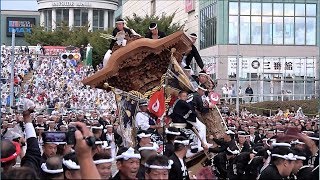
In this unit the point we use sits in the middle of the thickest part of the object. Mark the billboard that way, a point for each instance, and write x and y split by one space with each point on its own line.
20 24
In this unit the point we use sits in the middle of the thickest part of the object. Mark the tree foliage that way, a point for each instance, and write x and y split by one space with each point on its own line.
78 36
141 24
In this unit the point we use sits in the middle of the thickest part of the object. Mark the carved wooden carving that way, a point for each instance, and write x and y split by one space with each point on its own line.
140 64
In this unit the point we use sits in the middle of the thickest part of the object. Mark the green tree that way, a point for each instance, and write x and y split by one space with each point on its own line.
62 36
141 24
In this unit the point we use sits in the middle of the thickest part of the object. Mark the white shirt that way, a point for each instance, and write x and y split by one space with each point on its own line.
142 121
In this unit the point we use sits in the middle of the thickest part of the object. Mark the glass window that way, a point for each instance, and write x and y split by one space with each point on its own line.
233 8
311 9
256 30
300 9
245 8
289 30
311 31
101 18
267 30
288 9
244 30
267 9
58 17
278 9
84 17
77 17
95 18
277 30
255 8
233 29
66 16
299 30
50 19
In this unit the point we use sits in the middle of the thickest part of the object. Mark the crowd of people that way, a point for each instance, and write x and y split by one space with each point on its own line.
65 130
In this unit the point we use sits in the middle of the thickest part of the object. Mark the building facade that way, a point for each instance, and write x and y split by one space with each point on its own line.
96 14
278 45
186 11
21 21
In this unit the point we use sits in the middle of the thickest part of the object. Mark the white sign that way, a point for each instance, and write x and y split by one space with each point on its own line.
274 65
71 4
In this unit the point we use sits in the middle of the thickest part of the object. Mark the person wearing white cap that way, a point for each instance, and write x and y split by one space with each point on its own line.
143 120
128 161
118 30
193 54
224 163
281 165
52 168
228 140
103 163
154 32
143 138
158 167
145 152
179 169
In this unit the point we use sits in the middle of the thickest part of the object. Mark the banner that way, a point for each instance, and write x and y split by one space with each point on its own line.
89 55
156 104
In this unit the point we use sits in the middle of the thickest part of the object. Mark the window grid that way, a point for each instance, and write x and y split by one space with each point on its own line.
208 23
282 17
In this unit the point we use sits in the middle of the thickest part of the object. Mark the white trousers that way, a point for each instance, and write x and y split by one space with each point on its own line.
201 130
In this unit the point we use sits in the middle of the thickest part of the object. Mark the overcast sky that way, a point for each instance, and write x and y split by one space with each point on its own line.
19 5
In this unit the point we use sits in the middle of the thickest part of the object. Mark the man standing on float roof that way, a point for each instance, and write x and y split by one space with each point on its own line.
193 54
154 32
119 27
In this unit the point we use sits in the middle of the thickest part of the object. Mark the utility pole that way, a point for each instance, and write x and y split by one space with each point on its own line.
238 62
12 67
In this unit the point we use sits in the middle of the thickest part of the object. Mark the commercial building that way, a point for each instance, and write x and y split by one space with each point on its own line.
278 45
278 41
186 11
96 14
21 21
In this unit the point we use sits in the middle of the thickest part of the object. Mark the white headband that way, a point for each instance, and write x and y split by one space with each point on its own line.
296 142
235 152
154 27
170 162
300 157
193 36
172 132
154 147
71 164
254 152
229 132
184 142
50 171
101 161
314 138
280 144
97 127
202 88
98 142
289 156
105 145
128 155
142 135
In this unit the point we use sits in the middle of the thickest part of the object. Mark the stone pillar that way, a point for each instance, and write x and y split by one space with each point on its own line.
90 19
71 18
106 20
54 19
41 18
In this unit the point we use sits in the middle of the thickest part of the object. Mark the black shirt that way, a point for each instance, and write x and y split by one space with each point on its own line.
270 173
160 35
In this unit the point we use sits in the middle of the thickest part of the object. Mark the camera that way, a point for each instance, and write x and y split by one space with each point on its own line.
66 137
60 137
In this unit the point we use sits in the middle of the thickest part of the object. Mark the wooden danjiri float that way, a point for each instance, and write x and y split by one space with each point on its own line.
141 68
